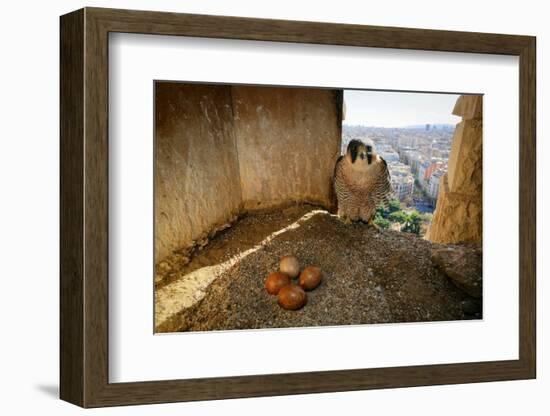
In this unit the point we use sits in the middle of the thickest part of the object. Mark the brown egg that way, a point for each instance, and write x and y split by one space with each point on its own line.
275 281
292 297
310 277
290 266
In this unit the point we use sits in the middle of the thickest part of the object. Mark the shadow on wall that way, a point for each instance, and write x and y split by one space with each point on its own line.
221 150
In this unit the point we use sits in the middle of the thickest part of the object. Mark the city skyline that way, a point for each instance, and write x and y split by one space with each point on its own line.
398 109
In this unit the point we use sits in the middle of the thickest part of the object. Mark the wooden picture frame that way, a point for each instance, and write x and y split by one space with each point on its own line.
84 207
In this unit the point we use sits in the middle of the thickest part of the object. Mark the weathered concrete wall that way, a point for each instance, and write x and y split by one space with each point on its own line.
288 140
458 214
197 187
221 150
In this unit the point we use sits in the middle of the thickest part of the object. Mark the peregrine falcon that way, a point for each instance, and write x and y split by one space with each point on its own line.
361 182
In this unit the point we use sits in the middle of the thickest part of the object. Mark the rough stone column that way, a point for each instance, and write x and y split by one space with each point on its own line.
458 214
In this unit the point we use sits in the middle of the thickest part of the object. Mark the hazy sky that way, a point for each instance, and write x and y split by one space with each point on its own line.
398 109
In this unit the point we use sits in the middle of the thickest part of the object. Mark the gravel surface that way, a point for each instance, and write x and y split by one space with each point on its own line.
370 276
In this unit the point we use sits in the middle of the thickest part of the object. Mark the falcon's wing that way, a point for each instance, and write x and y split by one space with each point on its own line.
383 188
338 161
333 188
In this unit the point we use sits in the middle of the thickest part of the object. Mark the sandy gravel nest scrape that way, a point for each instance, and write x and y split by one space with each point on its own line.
369 277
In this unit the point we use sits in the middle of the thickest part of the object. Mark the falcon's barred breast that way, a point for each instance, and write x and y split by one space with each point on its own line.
361 182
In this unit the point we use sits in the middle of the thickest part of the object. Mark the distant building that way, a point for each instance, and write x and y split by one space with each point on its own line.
390 156
421 173
435 164
402 180
408 140
404 188
433 185
413 158
427 168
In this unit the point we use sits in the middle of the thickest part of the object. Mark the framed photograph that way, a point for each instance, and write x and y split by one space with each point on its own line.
255 207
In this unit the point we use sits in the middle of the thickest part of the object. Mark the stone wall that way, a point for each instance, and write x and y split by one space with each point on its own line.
458 214
221 150
193 130
288 140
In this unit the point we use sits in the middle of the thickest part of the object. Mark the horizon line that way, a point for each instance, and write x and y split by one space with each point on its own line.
399 127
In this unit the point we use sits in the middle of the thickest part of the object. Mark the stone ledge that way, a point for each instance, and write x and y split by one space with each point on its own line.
369 277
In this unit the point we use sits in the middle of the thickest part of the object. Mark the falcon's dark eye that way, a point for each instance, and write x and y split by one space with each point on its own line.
369 149
353 149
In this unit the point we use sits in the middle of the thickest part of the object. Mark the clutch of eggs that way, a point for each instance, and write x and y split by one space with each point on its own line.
292 296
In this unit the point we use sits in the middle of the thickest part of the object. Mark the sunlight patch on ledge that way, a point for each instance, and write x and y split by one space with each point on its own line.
191 288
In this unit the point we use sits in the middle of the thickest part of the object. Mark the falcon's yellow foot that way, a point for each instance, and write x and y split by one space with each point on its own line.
371 223
345 220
